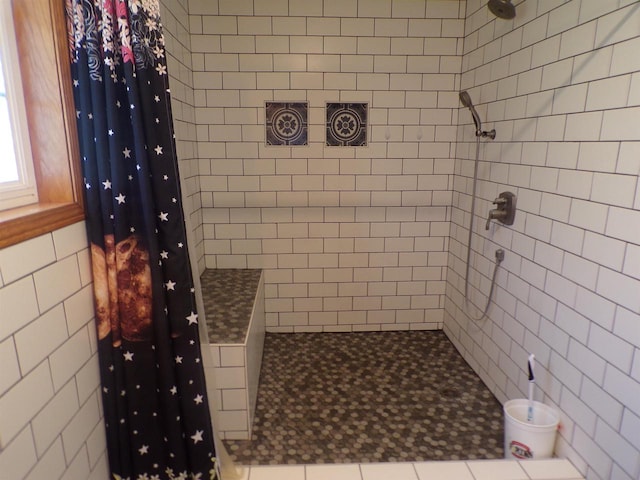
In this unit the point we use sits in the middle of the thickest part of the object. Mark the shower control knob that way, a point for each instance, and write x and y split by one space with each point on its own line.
505 211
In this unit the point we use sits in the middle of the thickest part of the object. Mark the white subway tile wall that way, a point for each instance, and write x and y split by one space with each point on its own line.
51 422
375 237
344 234
178 27
556 83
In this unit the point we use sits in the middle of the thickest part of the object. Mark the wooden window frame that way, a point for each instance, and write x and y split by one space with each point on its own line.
46 79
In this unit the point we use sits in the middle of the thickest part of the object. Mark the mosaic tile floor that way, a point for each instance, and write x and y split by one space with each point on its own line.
369 397
228 296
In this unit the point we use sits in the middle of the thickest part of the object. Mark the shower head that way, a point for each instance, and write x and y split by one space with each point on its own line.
502 9
465 99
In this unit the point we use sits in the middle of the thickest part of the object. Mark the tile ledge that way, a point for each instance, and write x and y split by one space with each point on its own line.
548 469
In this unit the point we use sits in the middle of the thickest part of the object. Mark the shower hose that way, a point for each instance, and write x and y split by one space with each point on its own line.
499 252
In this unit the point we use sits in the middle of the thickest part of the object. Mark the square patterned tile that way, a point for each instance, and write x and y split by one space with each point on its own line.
346 124
286 123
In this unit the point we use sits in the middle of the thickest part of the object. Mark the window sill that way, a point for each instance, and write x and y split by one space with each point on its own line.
23 223
43 53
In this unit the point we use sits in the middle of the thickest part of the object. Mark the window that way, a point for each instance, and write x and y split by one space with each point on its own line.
43 63
17 179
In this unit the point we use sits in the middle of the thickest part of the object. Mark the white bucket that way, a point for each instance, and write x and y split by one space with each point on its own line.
535 439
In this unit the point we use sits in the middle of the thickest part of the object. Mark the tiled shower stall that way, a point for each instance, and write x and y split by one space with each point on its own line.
374 237
350 238
369 238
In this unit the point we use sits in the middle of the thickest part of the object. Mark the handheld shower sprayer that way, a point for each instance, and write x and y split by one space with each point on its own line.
465 99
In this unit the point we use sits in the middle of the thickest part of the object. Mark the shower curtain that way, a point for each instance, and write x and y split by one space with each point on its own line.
154 398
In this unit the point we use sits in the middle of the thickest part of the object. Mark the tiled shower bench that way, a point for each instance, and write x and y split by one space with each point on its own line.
234 309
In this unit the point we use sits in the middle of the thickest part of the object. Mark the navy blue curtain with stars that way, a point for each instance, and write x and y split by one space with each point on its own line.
156 412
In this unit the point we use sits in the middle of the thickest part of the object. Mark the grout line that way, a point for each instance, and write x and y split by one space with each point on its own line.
360 475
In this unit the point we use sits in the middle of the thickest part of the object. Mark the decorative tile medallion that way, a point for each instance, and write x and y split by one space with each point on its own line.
286 123
347 124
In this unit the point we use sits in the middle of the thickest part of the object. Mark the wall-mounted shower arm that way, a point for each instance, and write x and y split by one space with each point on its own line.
490 134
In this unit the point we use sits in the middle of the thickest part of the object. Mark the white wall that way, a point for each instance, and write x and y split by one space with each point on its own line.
350 238
561 85
175 22
50 401
51 421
